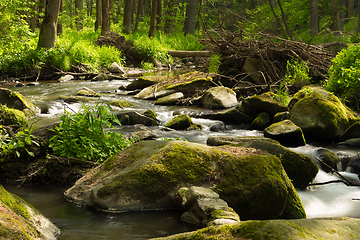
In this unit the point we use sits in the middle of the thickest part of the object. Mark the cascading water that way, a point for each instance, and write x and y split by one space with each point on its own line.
329 200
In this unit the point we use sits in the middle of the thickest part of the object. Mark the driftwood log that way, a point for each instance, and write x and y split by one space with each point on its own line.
185 54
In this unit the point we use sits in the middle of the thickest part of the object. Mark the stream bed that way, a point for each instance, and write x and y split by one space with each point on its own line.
75 222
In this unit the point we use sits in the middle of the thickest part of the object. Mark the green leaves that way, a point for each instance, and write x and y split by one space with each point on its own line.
83 135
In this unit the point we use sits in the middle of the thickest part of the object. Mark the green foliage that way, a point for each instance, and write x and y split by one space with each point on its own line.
82 134
282 94
344 75
214 63
297 73
14 146
147 66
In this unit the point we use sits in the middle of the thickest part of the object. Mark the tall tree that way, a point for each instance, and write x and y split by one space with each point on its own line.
105 23
128 15
49 25
190 18
59 25
79 7
314 16
159 15
336 7
153 18
139 13
98 14
350 7
169 18
33 18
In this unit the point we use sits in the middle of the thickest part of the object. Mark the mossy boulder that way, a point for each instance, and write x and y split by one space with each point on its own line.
266 102
87 92
329 159
145 176
352 132
180 122
143 82
219 97
287 133
133 117
299 167
169 100
10 116
74 99
16 100
150 113
260 122
281 116
322 228
121 103
18 220
232 116
320 114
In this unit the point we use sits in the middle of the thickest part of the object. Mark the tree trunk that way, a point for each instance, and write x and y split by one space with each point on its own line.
158 15
153 18
314 16
284 20
48 27
335 7
350 7
59 25
190 18
127 16
170 16
139 14
33 19
79 7
358 24
71 13
272 6
105 23
98 15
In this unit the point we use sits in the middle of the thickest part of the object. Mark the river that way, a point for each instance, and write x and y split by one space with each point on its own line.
331 200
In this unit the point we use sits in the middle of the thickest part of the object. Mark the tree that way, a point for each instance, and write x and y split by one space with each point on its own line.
358 24
59 25
139 13
49 25
128 14
98 14
153 18
158 15
79 7
314 16
105 23
190 18
171 11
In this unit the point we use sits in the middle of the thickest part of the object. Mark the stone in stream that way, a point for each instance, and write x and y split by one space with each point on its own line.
19 220
232 116
146 175
260 122
16 100
87 92
330 159
182 122
287 133
66 78
133 117
219 97
299 167
352 132
116 68
169 99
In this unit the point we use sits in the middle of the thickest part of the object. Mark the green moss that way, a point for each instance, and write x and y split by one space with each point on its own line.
121 103
12 116
180 122
302 232
14 203
150 113
195 81
74 99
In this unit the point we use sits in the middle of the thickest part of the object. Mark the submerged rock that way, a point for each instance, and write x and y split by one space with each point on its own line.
145 176
18 220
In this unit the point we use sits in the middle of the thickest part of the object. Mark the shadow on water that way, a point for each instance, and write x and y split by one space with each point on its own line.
80 223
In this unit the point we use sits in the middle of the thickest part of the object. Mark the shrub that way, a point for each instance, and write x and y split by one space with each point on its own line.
344 75
297 73
82 134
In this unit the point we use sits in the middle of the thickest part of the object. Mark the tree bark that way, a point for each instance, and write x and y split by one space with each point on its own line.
105 23
153 18
98 15
49 25
128 12
159 15
314 16
190 18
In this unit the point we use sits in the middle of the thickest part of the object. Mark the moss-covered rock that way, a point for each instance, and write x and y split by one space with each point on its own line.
121 103
281 116
219 97
87 92
10 116
286 132
266 102
169 99
320 114
150 113
16 100
132 118
299 167
260 122
144 81
18 220
74 99
324 228
352 132
329 159
143 176
232 116
180 122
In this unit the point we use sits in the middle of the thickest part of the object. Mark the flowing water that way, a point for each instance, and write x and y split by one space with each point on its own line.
331 200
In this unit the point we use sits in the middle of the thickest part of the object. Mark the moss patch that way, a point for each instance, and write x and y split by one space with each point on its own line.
121 104
11 116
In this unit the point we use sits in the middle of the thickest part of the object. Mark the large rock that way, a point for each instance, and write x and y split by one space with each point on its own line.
18 220
320 114
13 99
143 82
132 118
232 116
310 229
260 122
180 122
299 167
116 68
10 116
87 92
266 102
352 132
219 97
145 176
169 99
286 132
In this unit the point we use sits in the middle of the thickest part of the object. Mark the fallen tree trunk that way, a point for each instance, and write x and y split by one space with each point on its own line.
184 54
